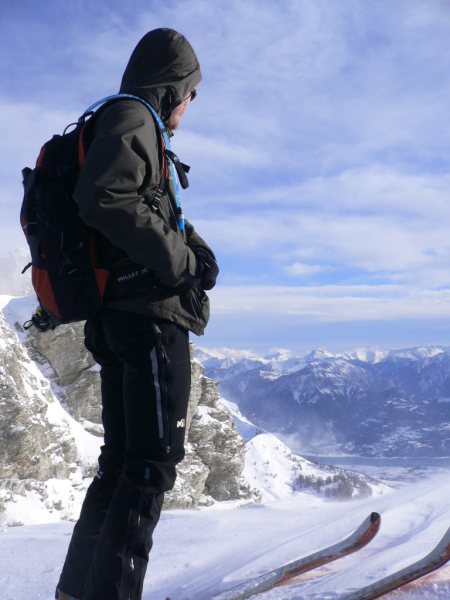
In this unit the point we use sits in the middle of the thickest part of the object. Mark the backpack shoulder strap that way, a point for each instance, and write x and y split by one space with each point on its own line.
177 169
87 120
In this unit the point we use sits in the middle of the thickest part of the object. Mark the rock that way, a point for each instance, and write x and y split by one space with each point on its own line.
34 440
218 445
37 443
73 370
53 370
189 489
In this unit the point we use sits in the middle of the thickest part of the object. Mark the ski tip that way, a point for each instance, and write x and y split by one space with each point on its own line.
375 517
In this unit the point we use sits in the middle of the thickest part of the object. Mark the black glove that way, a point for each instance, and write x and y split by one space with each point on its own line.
192 281
209 268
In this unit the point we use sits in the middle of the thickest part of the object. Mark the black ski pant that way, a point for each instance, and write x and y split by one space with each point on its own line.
145 382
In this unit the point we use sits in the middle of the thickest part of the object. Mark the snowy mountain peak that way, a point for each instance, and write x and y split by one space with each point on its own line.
279 354
234 354
368 355
366 402
421 352
318 354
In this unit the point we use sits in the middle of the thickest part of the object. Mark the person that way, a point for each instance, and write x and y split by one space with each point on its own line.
156 296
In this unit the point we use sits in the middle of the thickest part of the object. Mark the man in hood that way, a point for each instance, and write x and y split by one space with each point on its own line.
159 271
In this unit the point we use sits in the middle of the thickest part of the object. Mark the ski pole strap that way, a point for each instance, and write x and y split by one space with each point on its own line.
173 170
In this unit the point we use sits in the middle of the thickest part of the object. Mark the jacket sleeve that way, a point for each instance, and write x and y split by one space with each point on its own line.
123 153
193 239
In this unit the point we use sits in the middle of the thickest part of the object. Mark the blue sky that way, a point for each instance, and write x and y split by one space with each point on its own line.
319 146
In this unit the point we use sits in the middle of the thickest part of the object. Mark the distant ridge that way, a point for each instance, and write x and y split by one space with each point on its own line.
368 401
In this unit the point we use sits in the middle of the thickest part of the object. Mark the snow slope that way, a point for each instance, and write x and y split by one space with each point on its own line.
273 469
199 553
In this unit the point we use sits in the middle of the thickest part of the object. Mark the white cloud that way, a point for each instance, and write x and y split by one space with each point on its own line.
371 243
378 189
333 303
23 130
198 146
302 269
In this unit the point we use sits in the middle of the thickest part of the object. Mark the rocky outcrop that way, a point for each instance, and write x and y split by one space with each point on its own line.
214 443
34 442
37 443
217 442
72 371
53 369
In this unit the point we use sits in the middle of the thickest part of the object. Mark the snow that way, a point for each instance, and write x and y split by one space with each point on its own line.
4 299
199 553
18 310
284 361
32 510
368 355
247 430
234 354
269 466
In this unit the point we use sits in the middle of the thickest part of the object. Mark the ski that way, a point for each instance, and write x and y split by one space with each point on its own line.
429 563
357 540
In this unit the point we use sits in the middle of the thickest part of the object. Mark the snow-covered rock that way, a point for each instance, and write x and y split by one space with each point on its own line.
43 451
72 371
50 425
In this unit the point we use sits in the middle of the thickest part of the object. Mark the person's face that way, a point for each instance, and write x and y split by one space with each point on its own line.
175 116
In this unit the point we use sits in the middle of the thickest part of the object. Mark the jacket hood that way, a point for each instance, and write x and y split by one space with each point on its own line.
163 69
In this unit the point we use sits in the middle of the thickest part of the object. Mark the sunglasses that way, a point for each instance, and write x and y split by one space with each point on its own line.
193 94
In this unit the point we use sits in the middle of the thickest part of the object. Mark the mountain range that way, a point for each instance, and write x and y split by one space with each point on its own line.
367 402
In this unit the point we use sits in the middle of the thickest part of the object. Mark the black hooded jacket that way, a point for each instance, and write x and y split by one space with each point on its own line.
163 69
121 173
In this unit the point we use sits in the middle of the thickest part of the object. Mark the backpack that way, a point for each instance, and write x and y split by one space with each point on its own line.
66 275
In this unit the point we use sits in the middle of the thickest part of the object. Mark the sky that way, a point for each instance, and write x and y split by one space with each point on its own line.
319 147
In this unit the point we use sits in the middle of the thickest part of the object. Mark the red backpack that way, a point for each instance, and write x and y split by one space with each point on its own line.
66 274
